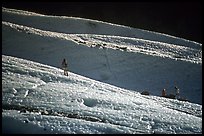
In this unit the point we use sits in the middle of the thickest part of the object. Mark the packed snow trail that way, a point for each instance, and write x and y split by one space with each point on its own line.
41 96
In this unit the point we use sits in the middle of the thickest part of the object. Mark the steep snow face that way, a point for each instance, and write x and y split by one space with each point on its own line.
38 98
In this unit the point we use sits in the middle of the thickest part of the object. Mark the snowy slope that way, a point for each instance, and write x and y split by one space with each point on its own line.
38 98
131 63
73 25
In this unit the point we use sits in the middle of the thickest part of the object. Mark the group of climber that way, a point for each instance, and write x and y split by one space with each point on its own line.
64 66
176 96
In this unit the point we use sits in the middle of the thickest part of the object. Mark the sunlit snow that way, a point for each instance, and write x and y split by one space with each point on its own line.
109 65
41 96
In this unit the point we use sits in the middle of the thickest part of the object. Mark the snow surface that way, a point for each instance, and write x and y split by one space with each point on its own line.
38 97
76 25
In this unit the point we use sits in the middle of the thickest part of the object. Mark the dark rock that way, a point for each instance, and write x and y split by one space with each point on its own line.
145 93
